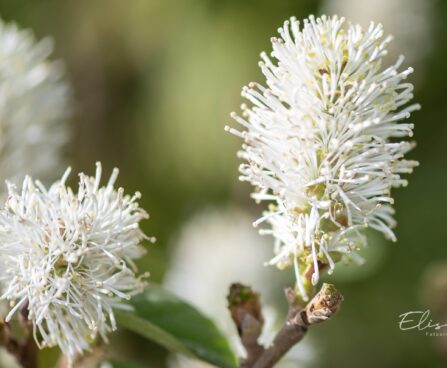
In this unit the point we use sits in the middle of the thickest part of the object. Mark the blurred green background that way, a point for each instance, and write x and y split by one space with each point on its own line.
154 83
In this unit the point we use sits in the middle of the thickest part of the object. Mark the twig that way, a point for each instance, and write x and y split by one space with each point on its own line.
25 352
246 312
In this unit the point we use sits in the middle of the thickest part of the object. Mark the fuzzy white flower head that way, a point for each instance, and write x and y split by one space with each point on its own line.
322 141
34 104
68 257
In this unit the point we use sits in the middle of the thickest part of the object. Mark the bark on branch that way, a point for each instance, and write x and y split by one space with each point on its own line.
245 310
24 351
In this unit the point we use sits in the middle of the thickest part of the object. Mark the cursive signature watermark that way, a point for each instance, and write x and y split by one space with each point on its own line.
421 321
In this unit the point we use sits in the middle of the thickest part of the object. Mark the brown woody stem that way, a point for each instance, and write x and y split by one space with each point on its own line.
24 350
246 313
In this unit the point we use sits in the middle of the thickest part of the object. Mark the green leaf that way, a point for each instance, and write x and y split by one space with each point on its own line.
162 317
151 331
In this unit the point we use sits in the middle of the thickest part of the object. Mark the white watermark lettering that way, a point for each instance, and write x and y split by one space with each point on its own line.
421 321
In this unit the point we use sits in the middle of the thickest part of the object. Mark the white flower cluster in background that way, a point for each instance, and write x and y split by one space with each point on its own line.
34 104
218 230
67 258
323 141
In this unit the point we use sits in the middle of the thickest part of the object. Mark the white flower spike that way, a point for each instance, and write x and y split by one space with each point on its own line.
68 257
322 141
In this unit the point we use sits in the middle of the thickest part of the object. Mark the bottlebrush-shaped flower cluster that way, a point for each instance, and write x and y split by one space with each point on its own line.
323 141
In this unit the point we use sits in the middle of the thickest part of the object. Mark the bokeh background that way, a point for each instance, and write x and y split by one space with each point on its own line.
154 82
